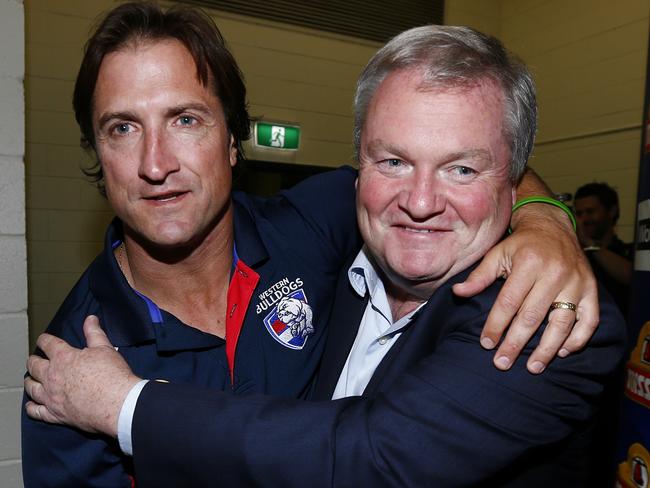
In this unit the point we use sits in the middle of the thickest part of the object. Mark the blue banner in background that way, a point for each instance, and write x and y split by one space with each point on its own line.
634 455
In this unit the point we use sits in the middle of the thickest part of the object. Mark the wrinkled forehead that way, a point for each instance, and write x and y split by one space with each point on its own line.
419 80
164 51
419 121
488 87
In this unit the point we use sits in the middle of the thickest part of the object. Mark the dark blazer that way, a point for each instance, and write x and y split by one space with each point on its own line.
436 413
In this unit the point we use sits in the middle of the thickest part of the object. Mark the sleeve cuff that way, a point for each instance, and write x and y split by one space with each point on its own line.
126 418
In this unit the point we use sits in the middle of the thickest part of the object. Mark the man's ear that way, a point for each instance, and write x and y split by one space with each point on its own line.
233 152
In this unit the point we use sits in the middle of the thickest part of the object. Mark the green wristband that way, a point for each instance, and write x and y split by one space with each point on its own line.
547 200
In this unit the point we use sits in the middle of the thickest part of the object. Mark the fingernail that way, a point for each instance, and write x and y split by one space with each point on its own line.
563 352
487 343
503 362
536 367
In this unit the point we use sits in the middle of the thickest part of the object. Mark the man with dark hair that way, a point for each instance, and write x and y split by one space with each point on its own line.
176 279
136 24
191 280
597 211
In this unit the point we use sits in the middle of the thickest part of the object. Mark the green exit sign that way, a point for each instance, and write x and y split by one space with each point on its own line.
277 136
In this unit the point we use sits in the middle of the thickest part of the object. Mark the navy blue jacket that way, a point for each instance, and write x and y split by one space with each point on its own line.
436 413
296 242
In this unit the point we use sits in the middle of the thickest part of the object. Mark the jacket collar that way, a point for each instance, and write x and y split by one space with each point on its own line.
250 247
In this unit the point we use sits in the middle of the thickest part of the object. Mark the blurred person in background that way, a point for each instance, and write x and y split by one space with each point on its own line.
597 211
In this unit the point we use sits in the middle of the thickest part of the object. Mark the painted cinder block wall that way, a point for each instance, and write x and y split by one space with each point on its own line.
589 60
13 265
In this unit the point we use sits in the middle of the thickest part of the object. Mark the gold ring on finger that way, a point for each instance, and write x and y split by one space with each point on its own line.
563 305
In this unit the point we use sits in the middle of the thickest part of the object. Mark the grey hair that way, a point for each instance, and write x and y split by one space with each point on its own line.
452 57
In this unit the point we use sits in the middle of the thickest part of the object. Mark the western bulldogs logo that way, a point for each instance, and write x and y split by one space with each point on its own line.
290 321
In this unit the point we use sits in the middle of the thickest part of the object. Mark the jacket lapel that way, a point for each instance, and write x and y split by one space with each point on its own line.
343 326
417 341
420 339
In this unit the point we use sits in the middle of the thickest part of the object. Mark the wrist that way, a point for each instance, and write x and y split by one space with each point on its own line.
109 425
534 210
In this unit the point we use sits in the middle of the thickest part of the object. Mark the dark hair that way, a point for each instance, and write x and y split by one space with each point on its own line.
140 22
605 194
451 57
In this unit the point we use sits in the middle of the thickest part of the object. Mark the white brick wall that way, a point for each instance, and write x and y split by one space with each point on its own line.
13 266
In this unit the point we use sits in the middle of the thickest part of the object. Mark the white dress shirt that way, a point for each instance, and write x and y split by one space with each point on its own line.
377 330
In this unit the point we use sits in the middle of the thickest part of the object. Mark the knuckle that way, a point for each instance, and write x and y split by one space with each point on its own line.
543 354
507 301
563 322
65 355
529 318
558 271
546 350
532 258
510 348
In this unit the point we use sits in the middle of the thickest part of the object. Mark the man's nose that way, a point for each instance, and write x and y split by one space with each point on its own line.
157 159
423 196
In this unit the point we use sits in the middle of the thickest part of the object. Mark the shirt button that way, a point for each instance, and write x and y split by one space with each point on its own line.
382 341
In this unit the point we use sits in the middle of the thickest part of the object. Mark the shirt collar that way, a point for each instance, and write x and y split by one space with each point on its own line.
365 279
130 318
362 274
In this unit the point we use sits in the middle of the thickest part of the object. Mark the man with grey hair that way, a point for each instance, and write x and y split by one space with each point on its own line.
453 56
445 124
